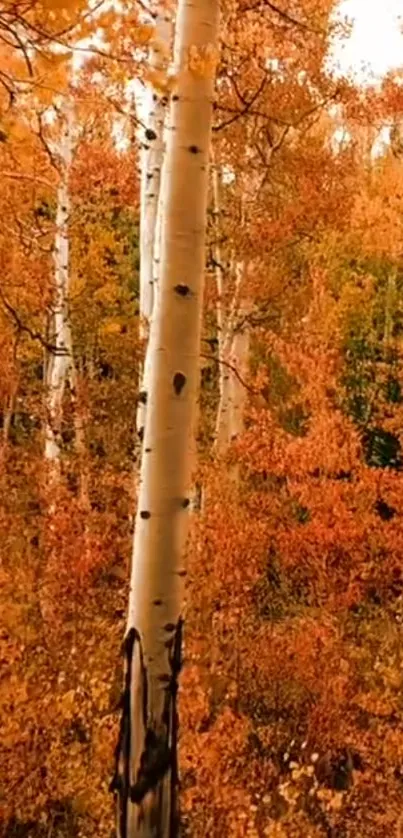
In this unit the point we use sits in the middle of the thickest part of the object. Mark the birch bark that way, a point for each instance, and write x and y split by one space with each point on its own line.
59 360
233 348
146 754
60 365
151 170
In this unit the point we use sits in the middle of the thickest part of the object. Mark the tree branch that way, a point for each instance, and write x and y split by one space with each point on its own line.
22 327
234 370
247 107
289 19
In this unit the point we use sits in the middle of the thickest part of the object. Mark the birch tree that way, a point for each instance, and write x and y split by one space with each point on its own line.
232 334
58 362
146 754
234 305
60 368
151 169
233 342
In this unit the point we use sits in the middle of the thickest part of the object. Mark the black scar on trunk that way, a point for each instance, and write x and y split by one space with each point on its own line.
160 746
182 289
120 784
179 381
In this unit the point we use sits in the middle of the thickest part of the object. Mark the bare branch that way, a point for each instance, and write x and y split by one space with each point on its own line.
289 19
45 143
247 107
22 327
233 369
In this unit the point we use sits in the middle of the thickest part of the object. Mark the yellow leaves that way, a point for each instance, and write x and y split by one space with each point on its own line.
144 33
113 327
106 19
106 294
379 706
160 80
202 61
66 703
275 829
53 74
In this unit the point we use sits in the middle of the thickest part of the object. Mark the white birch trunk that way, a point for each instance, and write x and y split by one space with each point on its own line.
218 271
60 366
8 412
10 408
146 754
221 437
59 361
239 359
230 348
151 169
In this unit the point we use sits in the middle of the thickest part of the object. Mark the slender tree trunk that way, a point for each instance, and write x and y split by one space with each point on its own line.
79 431
8 412
227 356
146 755
59 360
239 359
390 302
60 367
151 170
219 277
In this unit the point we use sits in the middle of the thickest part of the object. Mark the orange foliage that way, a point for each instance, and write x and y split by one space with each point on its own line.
290 699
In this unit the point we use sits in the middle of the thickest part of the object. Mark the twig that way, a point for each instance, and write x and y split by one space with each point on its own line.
22 327
234 370
292 21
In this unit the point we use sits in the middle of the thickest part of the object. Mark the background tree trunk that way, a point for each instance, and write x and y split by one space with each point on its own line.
151 170
59 360
60 367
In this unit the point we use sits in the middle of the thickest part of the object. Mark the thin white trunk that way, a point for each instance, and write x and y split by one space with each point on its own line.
8 412
60 366
218 272
151 170
239 359
57 361
390 302
60 359
229 348
79 431
146 775
221 437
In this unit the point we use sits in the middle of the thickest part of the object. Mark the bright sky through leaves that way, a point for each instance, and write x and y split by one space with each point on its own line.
376 43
